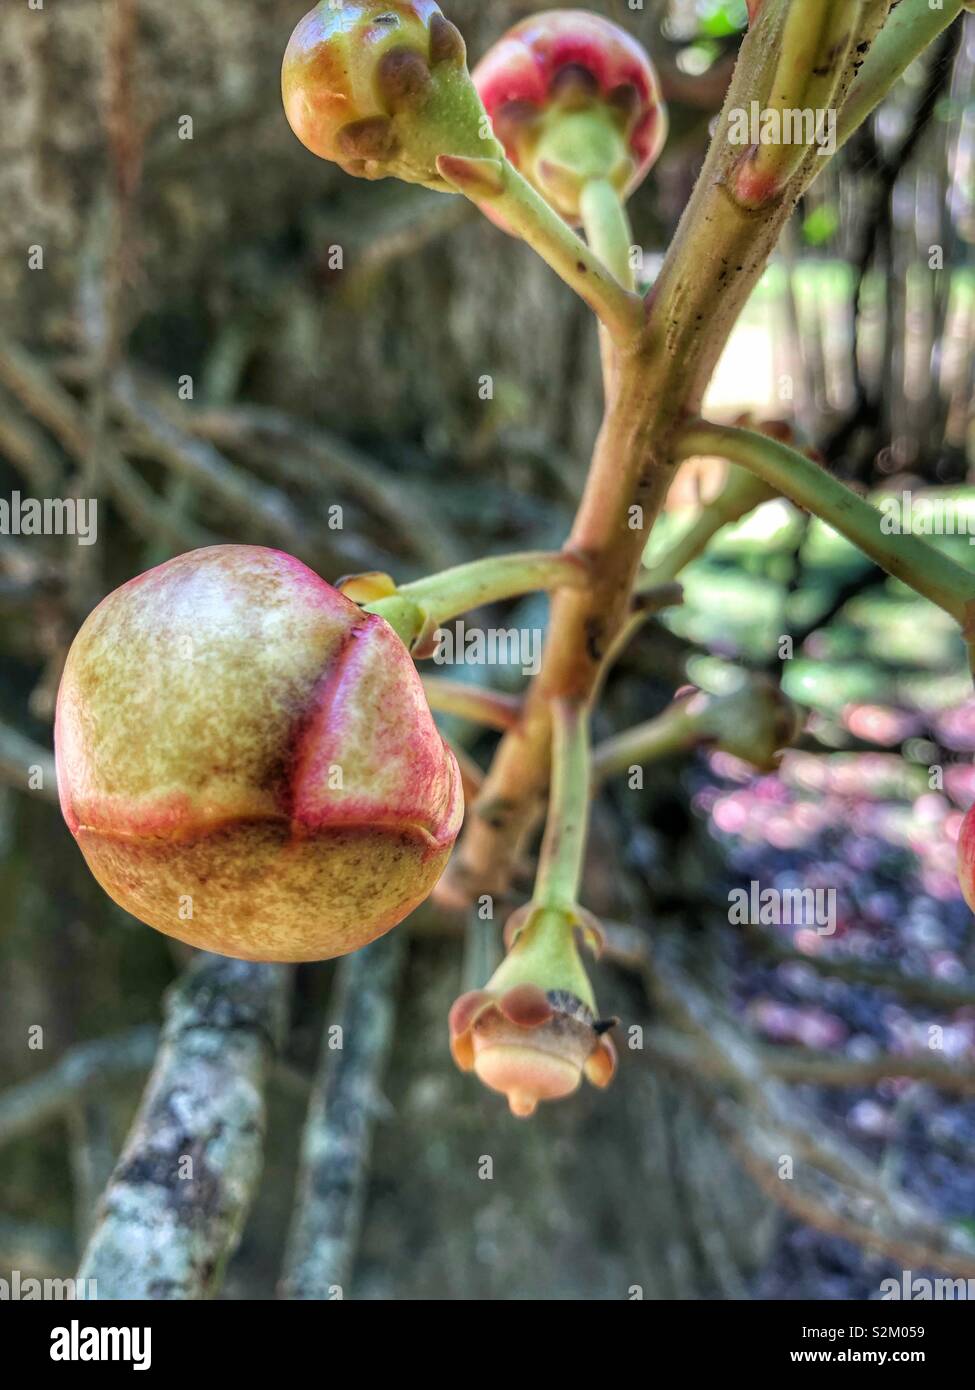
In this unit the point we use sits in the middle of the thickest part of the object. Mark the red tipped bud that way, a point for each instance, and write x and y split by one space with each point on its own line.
248 762
573 97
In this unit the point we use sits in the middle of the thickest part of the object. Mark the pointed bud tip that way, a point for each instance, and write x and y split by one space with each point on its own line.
475 178
522 1105
446 42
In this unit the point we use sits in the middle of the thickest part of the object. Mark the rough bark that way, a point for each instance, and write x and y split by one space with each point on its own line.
177 1201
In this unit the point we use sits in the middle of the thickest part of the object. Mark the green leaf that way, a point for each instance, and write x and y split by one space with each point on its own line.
724 18
821 224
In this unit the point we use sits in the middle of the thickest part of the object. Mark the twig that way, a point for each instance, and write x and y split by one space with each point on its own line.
49 403
941 994
85 1068
37 1251
774 1124
492 708
17 755
242 495
26 447
284 443
173 1212
806 1066
760 1154
338 1132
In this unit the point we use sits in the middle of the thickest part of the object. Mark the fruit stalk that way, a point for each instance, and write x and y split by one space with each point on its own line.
564 844
907 557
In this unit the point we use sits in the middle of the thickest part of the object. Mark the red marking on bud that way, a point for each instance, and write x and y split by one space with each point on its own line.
403 78
477 178
526 1005
465 1009
371 138
535 60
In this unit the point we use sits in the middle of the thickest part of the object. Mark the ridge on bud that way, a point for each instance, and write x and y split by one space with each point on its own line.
382 89
248 762
532 1032
573 98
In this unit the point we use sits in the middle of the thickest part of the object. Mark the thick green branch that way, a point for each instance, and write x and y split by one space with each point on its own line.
906 557
715 261
908 31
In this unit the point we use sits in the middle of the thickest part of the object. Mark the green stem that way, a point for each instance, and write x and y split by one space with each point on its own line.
607 229
909 29
817 37
491 708
497 185
416 609
906 557
687 548
463 587
672 731
566 828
